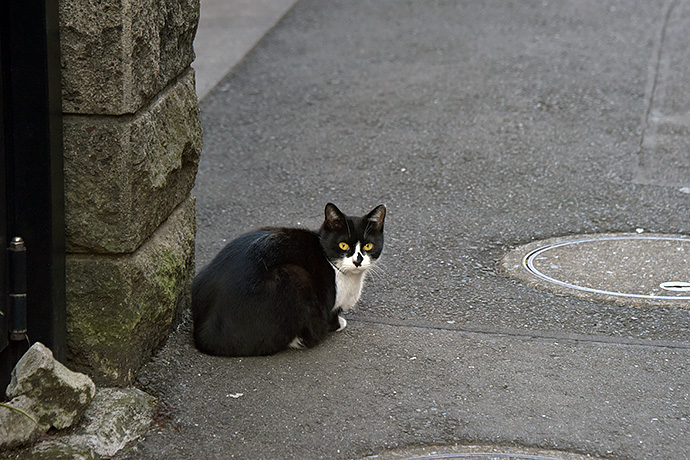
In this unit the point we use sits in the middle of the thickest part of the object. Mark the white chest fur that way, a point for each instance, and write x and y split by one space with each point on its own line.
348 289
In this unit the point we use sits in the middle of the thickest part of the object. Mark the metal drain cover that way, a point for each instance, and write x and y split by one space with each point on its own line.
636 268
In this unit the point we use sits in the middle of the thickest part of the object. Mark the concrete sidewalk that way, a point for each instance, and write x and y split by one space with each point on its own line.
482 125
228 29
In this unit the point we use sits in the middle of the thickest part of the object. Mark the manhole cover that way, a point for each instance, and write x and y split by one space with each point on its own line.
476 453
630 267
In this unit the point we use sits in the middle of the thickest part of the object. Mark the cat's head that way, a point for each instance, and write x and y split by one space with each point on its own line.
352 244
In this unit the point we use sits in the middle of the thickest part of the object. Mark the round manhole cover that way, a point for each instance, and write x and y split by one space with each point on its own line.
631 267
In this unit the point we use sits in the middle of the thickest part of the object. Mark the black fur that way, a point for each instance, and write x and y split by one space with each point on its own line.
269 286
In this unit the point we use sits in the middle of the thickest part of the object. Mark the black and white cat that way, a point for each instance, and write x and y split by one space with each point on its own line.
275 288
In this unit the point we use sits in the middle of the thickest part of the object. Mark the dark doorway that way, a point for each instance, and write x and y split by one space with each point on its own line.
31 194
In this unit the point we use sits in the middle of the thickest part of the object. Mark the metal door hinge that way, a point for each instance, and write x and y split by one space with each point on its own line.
17 288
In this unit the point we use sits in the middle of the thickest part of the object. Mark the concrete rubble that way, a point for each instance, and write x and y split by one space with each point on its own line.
48 398
44 394
116 417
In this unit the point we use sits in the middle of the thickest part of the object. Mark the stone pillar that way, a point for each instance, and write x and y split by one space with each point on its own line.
132 139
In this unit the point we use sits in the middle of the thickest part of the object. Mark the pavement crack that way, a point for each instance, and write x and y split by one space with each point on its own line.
652 93
522 334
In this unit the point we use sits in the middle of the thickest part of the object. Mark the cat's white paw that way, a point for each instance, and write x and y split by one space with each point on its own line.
297 344
342 322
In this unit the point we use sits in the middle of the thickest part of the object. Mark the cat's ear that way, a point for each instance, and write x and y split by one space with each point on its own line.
334 217
376 216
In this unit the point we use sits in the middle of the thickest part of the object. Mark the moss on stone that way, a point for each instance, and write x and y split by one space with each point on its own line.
121 308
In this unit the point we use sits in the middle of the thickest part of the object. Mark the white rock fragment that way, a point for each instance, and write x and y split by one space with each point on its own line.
116 417
17 425
58 396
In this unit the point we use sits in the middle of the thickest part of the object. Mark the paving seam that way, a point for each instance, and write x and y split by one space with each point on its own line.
526 335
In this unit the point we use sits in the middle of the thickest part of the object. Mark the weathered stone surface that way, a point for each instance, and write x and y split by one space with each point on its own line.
59 451
17 427
57 397
125 175
120 308
116 54
116 417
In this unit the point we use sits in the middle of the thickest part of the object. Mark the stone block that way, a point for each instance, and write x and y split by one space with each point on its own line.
125 175
120 308
116 54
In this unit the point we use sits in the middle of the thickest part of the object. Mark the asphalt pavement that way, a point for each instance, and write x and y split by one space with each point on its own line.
483 126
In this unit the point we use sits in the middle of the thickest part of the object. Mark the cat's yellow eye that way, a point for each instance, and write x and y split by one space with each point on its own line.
368 246
344 246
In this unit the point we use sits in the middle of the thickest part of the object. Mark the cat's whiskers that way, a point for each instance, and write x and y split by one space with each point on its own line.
336 268
376 271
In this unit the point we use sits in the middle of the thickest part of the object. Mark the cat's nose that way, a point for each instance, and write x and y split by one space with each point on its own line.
358 260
